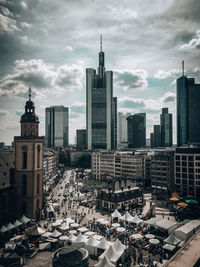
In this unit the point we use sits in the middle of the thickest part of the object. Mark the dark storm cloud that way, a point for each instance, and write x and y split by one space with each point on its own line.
131 80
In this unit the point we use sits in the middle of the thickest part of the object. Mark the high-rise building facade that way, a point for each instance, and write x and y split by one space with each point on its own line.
166 128
188 111
57 127
28 164
137 130
100 107
81 139
157 136
122 138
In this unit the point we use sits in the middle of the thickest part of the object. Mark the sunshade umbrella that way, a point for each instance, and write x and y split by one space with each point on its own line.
154 241
191 201
175 194
182 204
190 196
120 229
115 225
174 199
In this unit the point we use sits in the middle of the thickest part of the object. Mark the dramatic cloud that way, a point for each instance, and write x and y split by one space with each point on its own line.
194 43
169 97
131 80
40 76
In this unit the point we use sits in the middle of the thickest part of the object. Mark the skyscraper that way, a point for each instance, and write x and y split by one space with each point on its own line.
188 111
137 130
57 126
166 128
122 138
157 136
100 107
81 139
28 164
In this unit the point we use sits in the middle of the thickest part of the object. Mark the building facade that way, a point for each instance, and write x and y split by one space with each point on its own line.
81 140
188 111
122 133
56 127
100 107
162 171
28 164
50 163
137 130
117 165
7 164
166 128
187 171
157 136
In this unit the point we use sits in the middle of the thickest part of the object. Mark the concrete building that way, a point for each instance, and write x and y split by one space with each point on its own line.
166 128
120 195
122 133
117 165
187 171
56 127
81 139
137 130
188 111
100 107
162 171
28 164
50 163
7 164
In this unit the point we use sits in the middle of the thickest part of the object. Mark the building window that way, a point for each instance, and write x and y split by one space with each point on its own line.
24 160
38 184
24 184
38 156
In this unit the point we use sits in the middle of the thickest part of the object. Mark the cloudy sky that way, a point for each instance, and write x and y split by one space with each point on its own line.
48 44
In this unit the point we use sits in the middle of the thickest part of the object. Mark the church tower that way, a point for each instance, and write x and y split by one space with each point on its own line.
28 164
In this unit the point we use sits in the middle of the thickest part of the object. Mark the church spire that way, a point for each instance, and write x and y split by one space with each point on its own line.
29 91
101 42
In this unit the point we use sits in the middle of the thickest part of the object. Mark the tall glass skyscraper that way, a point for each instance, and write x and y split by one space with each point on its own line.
188 111
101 108
137 130
56 126
166 128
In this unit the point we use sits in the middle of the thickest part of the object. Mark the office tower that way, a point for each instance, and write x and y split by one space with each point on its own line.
122 138
114 127
28 164
188 111
157 136
57 126
99 107
81 139
137 130
152 139
166 128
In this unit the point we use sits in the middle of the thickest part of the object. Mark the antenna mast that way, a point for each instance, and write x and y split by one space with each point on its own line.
182 67
101 42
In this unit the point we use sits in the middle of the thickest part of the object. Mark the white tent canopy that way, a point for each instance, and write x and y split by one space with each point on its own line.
3 229
136 219
91 241
71 237
38 231
186 231
17 223
80 239
10 226
137 236
127 217
24 219
111 254
104 263
55 234
83 229
166 225
63 237
116 214
103 244
169 247
47 234
118 246
172 240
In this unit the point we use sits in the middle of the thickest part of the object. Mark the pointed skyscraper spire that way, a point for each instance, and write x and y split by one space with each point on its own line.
182 67
101 42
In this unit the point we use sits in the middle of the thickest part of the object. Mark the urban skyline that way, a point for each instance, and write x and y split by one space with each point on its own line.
55 66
